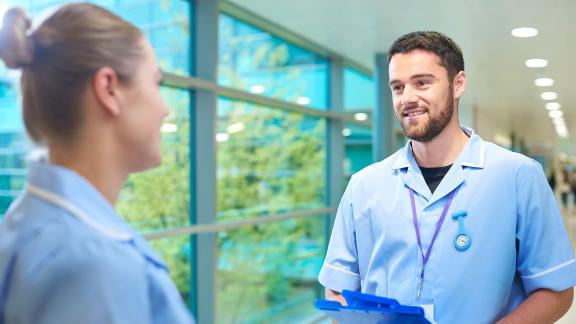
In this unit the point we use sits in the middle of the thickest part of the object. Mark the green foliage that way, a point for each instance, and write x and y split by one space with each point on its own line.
276 164
273 164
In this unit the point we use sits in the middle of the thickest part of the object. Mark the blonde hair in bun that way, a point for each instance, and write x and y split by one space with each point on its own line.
59 58
16 48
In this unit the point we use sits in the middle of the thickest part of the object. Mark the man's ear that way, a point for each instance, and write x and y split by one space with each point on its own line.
460 83
106 88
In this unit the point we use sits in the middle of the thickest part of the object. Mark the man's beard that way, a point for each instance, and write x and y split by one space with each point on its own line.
428 130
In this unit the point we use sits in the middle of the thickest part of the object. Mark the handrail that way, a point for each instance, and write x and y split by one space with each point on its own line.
222 227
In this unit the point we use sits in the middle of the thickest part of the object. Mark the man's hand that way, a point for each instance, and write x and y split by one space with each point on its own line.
335 295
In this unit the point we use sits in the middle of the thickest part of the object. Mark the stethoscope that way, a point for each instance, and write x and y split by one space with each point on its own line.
463 240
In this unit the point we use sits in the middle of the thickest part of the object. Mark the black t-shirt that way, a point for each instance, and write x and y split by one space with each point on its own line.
433 176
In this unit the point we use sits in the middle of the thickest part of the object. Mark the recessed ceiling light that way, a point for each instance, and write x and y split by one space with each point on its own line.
303 100
548 95
361 116
561 131
524 32
558 121
555 113
257 89
235 128
544 82
536 63
552 106
560 126
169 128
346 132
222 137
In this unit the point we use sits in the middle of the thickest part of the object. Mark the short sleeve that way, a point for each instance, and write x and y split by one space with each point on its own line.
340 268
545 256
94 281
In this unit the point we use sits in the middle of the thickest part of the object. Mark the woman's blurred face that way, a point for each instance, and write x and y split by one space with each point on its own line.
143 113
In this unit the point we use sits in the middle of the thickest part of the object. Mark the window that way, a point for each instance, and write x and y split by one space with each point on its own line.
359 100
261 63
166 25
358 150
268 273
14 145
268 161
359 92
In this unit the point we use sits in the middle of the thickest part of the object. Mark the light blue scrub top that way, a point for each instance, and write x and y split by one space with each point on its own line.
55 268
519 243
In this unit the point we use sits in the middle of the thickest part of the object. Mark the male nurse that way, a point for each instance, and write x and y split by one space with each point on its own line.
465 228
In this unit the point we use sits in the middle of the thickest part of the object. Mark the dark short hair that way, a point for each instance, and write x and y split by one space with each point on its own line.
444 47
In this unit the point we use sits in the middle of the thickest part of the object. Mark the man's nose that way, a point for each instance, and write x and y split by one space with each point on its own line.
408 97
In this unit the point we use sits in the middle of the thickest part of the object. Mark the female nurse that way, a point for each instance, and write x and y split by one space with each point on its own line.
90 88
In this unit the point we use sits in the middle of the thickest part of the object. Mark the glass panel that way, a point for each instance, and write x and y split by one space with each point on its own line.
166 24
359 100
268 273
358 141
359 94
256 61
159 198
268 161
14 144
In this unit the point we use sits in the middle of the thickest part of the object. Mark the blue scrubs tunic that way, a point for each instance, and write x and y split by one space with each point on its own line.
57 268
518 240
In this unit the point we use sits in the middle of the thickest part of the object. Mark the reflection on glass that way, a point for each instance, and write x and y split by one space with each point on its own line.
359 92
256 61
166 24
268 161
359 101
358 141
268 273
159 198
14 144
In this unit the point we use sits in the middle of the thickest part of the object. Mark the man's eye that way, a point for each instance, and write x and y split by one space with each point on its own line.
396 88
423 82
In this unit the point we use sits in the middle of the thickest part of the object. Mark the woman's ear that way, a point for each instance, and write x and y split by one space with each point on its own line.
106 88
460 83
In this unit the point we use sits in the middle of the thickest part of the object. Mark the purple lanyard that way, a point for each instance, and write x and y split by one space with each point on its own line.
417 229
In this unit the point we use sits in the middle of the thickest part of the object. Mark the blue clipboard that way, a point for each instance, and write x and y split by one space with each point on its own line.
364 308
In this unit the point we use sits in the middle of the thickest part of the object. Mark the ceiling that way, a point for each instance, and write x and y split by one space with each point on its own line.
501 88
